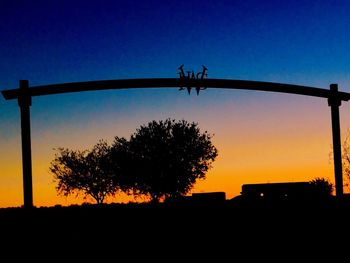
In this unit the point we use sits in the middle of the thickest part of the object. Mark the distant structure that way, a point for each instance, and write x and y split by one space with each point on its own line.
271 192
207 198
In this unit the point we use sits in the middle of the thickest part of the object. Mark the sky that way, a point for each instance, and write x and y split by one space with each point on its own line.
261 137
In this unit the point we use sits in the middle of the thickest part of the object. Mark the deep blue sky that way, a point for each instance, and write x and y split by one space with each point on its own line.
46 42
60 41
299 42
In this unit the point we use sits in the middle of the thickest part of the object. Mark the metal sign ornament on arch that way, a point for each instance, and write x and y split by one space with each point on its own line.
191 75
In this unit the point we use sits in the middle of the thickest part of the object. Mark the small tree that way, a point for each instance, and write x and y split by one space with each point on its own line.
322 187
87 172
346 159
167 157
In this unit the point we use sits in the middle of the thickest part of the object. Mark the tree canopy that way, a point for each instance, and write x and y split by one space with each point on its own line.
88 172
165 158
161 159
322 187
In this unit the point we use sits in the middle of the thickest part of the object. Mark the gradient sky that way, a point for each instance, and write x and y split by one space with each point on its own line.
261 137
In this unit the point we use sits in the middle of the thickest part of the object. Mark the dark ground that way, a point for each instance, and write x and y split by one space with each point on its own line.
179 231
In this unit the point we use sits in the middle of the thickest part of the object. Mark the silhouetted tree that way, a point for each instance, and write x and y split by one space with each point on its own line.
346 159
121 164
87 172
322 187
166 158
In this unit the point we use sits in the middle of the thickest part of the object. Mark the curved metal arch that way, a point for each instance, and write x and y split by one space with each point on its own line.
174 83
24 94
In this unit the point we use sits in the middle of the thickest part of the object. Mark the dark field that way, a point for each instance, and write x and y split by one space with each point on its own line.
146 230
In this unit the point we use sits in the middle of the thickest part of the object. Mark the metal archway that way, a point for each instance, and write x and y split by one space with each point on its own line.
25 93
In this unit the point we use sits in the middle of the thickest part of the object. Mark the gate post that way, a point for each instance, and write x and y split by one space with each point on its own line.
334 102
24 102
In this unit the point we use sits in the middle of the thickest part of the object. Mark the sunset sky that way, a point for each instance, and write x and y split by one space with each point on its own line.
261 137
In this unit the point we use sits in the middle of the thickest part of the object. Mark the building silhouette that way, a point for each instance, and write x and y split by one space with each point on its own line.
286 191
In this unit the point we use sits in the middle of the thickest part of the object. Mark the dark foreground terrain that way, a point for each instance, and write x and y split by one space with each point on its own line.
178 230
